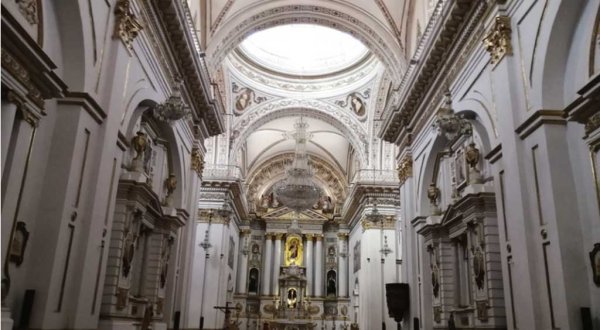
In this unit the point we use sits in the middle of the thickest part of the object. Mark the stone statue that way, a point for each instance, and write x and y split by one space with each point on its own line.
472 156
170 185
139 144
433 193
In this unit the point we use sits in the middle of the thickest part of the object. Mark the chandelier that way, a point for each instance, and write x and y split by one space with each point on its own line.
298 191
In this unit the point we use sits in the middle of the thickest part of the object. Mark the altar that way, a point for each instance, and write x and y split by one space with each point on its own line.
291 308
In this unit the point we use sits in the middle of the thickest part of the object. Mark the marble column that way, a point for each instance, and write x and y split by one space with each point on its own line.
267 263
276 264
343 265
308 262
319 266
242 272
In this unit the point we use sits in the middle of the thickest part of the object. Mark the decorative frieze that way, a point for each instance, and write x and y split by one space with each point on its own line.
498 41
127 26
405 169
389 223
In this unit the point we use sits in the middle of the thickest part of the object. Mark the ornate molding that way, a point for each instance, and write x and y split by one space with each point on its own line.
29 9
22 75
388 224
127 26
592 124
437 64
405 169
197 161
498 41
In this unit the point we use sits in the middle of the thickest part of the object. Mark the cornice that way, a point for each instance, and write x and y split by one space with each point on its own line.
176 20
26 69
435 61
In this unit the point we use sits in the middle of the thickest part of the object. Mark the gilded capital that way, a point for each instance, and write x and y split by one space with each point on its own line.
342 236
279 236
318 237
309 237
269 236
405 169
498 41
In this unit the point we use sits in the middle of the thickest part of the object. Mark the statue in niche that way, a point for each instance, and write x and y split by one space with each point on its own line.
292 298
253 281
331 283
265 201
327 207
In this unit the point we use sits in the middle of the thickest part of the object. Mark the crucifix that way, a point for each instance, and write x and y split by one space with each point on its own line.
227 310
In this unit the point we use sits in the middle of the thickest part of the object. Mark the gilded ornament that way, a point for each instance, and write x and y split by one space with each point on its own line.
197 161
498 41
472 155
405 169
139 143
127 26
293 251
170 186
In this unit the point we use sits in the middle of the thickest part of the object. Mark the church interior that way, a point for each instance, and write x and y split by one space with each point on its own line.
290 165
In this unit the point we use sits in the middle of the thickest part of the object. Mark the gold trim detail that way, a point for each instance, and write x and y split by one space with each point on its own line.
342 236
197 162
388 223
405 169
127 26
498 41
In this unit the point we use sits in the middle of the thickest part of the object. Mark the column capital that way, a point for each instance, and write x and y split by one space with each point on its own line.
269 235
309 237
319 237
342 236
245 231
278 236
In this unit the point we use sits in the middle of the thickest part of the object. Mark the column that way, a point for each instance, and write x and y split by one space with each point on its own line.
242 272
319 266
267 262
342 265
308 262
276 264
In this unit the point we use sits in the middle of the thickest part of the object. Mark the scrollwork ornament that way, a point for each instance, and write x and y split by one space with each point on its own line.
433 193
29 9
127 26
405 169
197 161
498 41
448 123
592 124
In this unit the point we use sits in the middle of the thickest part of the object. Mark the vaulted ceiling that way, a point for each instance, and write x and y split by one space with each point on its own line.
334 63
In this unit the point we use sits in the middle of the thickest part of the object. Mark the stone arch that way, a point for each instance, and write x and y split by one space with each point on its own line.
272 170
331 114
75 48
176 159
557 42
438 144
352 20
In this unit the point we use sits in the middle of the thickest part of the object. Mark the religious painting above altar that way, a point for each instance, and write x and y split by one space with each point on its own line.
293 250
